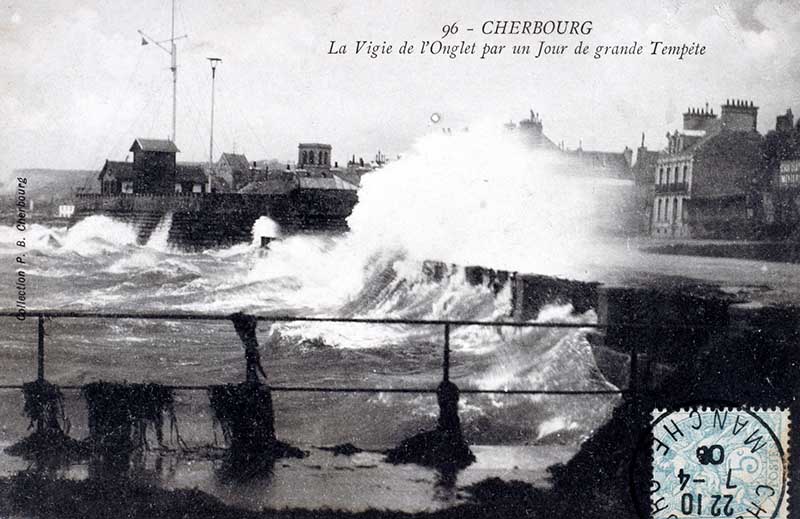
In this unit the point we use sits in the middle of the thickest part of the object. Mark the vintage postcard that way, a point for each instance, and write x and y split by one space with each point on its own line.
270 258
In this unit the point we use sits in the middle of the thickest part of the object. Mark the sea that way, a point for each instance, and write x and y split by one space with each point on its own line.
477 198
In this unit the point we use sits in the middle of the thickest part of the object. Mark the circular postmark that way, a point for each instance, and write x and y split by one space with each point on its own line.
719 462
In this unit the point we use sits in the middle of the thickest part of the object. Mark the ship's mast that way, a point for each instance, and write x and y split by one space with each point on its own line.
173 52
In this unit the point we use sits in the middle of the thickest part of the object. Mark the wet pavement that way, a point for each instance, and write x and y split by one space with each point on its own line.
325 480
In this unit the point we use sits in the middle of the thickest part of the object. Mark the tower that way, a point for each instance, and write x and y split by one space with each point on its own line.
314 156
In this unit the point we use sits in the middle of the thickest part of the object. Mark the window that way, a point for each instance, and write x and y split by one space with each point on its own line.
658 214
127 187
304 159
311 157
178 187
685 170
674 209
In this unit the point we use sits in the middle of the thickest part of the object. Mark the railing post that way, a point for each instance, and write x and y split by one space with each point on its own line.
633 382
40 366
40 351
446 358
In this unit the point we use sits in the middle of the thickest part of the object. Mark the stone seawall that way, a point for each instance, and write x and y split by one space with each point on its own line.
201 221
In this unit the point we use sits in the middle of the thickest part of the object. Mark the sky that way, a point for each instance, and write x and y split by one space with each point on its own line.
77 85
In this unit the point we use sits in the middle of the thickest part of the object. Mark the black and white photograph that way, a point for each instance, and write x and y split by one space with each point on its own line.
373 259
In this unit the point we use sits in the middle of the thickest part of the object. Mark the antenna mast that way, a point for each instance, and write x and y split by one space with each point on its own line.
173 52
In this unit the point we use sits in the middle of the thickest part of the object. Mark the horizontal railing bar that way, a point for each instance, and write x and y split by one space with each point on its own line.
316 389
295 318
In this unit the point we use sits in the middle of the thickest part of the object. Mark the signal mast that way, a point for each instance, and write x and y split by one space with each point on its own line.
173 52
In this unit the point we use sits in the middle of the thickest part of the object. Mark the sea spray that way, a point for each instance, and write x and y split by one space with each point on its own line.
480 197
159 240
98 234
265 227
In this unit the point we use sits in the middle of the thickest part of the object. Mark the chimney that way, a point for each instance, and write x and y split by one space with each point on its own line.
739 116
785 122
698 119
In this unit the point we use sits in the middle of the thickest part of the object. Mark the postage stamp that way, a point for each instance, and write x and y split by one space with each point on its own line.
711 462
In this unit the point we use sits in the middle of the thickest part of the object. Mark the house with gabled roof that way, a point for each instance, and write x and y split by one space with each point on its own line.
154 171
116 178
234 169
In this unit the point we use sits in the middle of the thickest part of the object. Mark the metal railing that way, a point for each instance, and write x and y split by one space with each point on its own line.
447 325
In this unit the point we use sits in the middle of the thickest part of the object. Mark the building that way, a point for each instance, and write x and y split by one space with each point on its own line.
313 172
644 173
66 210
704 178
234 170
789 174
781 152
785 217
785 123
154 165
314 156
116 178
154 171
190 178
603 164
532 132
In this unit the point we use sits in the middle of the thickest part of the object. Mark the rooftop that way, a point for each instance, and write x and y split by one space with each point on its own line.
332 182
157 145
120 170
236 161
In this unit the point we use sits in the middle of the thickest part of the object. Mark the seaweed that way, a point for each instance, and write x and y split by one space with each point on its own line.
120 414
245 415
443 447
437 448
49 444
44 405
345 449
